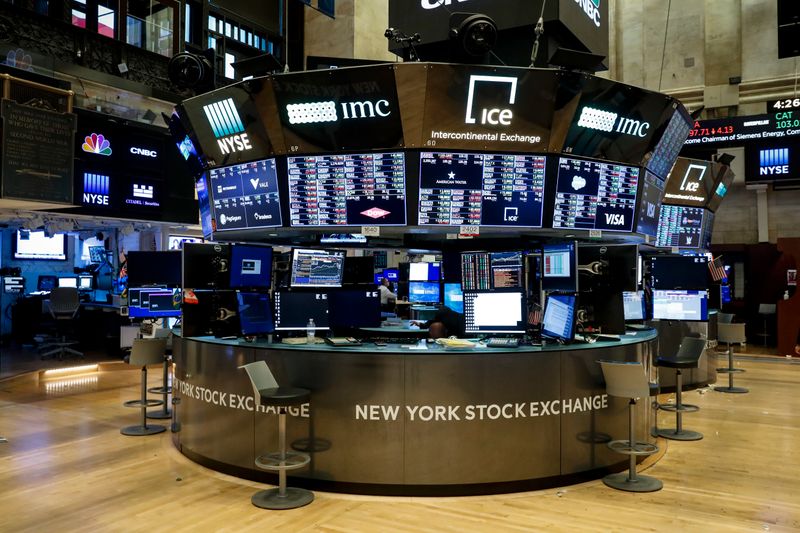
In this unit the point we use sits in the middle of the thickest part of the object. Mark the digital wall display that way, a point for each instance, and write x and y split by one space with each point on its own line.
680 226
347 190
36 245
475 271
594 195
772 162
245 196
735 131
670 144
649 210
690 183
481 189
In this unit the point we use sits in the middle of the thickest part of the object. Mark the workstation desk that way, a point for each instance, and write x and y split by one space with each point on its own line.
395 420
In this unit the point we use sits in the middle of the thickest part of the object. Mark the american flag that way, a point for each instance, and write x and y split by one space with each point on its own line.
716 269
535 316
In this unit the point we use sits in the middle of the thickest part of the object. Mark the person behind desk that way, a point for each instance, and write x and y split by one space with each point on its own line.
388 298
445 323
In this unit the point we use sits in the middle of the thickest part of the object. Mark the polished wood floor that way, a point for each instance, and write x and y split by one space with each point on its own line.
67 468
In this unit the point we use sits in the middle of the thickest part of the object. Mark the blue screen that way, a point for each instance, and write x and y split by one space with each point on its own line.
251 266
725 294
559 316
154 303
423 291
453 297
255 313
392 274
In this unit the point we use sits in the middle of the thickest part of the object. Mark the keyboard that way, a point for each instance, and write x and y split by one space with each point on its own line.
500 342
342 341
393 340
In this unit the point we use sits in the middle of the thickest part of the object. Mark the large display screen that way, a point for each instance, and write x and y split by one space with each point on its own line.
347 190
475 271
154 268
680 226
670 144
204 204
680 305
293 310
494 312
743 129
458 189
245 196
649 204
595 195
317 268
690 183
36 245
772 162
671 272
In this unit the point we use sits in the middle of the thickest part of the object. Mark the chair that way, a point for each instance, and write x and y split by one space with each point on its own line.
267 392
63 305
145 352
766 310
688 356
165 389
725 318
731 334
628 380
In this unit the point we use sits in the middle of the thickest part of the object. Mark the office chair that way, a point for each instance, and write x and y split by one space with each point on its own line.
63 306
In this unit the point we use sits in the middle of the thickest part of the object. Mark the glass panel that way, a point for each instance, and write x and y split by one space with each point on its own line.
153 24
229 71
187 22
106 21
212 23
212 42
78 18
227 29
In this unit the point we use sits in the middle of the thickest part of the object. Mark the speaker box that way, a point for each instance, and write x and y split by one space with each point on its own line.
789 40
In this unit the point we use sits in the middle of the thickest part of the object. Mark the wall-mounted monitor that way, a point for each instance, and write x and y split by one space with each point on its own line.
245 196
293 310
347 190
680 305
649 210
37 245
317 268
251 266
772 162
204 205
154 268
494 312
670 144
592 195
342 238
680 227
463 189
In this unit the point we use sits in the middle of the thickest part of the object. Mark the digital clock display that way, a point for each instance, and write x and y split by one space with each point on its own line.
784 104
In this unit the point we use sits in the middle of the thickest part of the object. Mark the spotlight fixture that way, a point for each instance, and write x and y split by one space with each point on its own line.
189 70
475 32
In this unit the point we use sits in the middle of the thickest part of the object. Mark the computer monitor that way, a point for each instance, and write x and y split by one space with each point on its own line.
612 267
85 283
725 294
154 302
255 313
356 308
680 305
475 271
46 283
634 305
37 245
68 281
424 272
97 254
454 297
494 312
358 270
506 270
294 309
317 268
392 274
154 268
559 317
559 267
603 311
423 292
206 266
251 266
672 272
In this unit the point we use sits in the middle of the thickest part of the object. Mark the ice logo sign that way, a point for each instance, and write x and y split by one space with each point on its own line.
227 126
494 116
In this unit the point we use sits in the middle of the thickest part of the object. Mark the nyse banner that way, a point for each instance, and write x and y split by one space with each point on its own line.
488 108
339 109
37 154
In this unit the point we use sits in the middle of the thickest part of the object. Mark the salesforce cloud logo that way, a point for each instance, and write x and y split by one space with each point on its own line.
578 183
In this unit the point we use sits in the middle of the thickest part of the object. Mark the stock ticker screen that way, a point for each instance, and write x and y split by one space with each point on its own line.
245 196
680 226
347 190
595 195
458 189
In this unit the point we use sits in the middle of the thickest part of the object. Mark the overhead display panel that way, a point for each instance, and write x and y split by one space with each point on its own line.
458 189
736 131
347 190
649 210
670 144
680 227
774 161
690 183
245 196
339 109
594 195
478 108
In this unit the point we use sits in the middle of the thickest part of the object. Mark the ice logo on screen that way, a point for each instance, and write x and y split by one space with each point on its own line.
774 161
592 10
227 126
375 213
511 214
578 183
96 144
492 116
597 119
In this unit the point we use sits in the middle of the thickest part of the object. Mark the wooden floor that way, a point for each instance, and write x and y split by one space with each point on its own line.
67 468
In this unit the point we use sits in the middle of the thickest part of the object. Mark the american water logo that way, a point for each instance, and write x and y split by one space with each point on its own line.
227 126
775 161
96 144
95 189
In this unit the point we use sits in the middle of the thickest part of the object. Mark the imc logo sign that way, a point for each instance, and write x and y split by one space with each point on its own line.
227 126
320 112
775 161
96 143
597 119
95 189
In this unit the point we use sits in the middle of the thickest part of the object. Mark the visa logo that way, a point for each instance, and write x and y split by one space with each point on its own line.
615 219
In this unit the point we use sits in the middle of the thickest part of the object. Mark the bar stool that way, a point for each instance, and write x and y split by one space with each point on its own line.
145 352
267 392
628 380
731 334
164 390
688 356
766 311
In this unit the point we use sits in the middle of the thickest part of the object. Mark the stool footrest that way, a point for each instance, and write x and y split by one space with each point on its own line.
160 390
160 414
684 434
273 462
140 431
727 370
622 481
638 448
272 499
732 390
143 403
684 408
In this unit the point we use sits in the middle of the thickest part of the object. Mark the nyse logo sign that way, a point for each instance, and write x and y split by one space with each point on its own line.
95 189
773 162
491 116
597 119
227 126
592 10
320 112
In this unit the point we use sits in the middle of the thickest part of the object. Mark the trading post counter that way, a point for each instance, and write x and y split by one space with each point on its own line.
394 420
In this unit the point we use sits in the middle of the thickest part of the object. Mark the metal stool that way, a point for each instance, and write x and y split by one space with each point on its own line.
688 356
628 380
164 390
766 311
145 352
267 392
731 334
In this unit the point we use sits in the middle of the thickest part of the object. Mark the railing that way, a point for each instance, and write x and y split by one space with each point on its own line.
23 91
150 35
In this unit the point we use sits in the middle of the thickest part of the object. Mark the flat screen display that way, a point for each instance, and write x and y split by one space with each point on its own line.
454 297
204 205
251 266
46 283
649 204
154 302
506 270
36 245
559 267
679 272
670 144
691 183
475 271
317 268
175 242
460 189
595 195
255 313
424 272
680 305
772 161
68 281
206 266
494 312
680 227
347 190
559 317
294 309
154 268
85 283
245 196
423 292
634 305
354 308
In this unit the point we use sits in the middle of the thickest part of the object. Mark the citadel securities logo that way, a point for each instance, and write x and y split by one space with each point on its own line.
227 126
597 119
592 10
96 143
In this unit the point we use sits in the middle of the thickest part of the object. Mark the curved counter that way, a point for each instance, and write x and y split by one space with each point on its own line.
395 420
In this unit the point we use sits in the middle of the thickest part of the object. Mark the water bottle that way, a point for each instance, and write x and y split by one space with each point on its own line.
311 331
